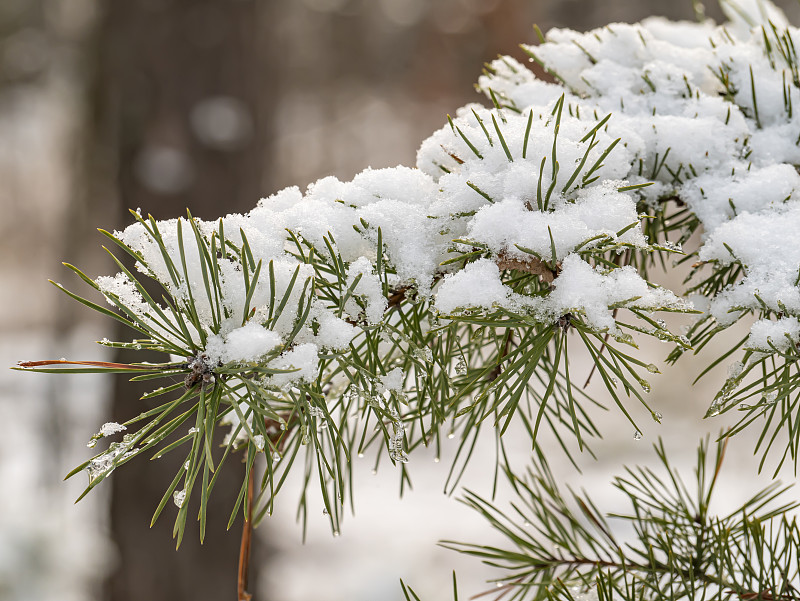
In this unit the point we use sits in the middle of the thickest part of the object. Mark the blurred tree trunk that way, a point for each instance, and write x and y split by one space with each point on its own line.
181 98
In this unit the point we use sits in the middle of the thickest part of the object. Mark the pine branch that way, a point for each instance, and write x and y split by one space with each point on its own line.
678 546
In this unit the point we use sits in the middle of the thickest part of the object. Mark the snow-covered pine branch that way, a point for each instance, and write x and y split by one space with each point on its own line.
411 304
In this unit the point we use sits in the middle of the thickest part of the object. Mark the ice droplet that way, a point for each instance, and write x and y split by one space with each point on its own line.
276 457
193 430
735 369
657 417
461 367
325 511
98 466
259 441
178 497
653 369
637 435
399 455
104 464
645 385
424 353
714 410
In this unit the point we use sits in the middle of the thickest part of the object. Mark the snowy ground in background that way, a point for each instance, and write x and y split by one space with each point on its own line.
50 548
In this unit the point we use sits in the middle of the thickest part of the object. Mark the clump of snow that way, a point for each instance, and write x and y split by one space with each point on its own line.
599 211
765 244
111 428
301 363
333 332
716 199
107 429
744 15
709 113
393 380
582 289
766 335
477 285
245 344
369 289
122 288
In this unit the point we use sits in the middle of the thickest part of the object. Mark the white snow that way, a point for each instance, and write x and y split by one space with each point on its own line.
303 359
766 335
477 285
245 344
590 292
111 428
393 380
599 210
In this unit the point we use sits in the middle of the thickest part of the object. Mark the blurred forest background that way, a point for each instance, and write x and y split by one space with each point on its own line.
161 105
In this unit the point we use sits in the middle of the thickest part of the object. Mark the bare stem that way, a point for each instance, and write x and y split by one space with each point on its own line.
244 549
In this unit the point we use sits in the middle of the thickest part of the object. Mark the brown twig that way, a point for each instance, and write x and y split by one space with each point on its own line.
278 438
397 295
247 536
677 200
532 265
493 375
92 363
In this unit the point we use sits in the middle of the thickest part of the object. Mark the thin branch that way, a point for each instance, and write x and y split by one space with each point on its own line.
278 438
493 375
397 295
91 363
247 536
532 265
653 568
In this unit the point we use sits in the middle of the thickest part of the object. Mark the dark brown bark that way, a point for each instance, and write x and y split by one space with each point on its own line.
160 60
